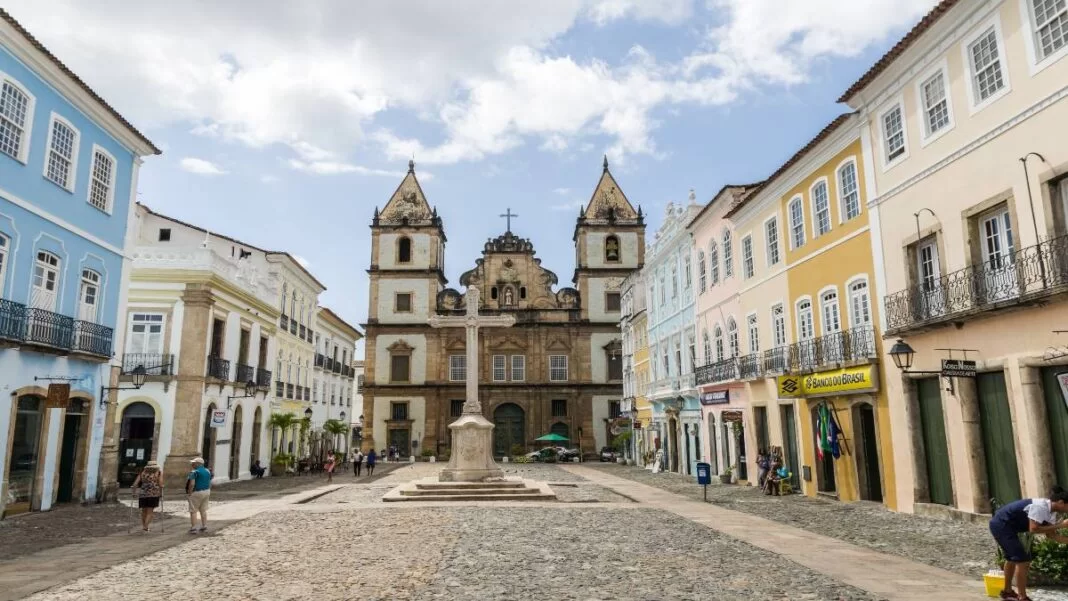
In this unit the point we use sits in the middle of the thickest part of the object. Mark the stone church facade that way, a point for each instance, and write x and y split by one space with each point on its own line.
559 369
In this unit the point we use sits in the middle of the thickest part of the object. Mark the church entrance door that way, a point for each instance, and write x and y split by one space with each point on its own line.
509 429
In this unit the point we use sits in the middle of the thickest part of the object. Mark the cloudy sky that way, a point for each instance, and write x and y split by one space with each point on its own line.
285 123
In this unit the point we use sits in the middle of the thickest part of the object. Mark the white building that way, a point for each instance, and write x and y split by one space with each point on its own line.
334 378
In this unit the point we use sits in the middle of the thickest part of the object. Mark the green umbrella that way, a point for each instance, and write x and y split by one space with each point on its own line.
553 438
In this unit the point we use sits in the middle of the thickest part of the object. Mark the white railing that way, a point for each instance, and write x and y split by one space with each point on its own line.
245 273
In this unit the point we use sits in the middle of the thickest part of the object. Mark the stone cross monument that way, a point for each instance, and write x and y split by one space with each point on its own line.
471 458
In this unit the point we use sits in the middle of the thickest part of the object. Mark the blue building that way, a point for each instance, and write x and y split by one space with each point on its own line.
68 176
669 277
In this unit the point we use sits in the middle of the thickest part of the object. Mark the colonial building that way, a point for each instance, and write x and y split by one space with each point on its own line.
559 369
298 296
202 323
334 377
68 177
963 126
636 406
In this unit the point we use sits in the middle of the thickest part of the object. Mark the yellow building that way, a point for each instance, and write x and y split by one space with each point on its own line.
633 323
826 357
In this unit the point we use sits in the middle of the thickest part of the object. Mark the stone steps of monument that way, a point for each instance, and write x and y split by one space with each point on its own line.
509 484
473 496
494 492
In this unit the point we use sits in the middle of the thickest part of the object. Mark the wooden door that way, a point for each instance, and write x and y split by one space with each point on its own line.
999 443
509 429
867 443
935 446
789 437
1057 417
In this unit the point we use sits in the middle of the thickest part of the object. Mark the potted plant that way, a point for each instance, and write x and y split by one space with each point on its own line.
279 463
428 455
725 477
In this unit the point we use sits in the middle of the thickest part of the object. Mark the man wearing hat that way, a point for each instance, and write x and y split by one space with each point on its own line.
198 488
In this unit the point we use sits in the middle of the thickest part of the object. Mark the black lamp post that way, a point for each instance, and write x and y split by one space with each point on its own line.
902 355
139 375
248 385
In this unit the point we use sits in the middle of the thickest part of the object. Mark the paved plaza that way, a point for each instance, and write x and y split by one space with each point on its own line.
612 533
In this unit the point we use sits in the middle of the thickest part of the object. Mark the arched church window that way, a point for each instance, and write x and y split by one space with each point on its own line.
404 250
611 249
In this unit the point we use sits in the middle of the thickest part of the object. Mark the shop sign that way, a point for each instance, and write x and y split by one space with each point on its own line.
848 380
716 397
58 396
731 416
958 368
218 419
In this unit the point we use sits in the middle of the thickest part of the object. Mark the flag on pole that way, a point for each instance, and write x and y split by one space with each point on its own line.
819 434
836 449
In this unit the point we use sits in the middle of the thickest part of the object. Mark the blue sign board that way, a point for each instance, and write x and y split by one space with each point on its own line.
704 474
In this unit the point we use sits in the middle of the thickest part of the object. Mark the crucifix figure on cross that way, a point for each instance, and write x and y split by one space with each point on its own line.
472 321
508 214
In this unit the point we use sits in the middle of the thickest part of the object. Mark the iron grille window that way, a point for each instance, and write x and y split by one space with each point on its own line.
399 411
558 368
519 368
559 408
498 367
457 368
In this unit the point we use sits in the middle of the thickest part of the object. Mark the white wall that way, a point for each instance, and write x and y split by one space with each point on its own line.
628 248
421 252
596 300
416 413
420 291
418 361
598 361
600 413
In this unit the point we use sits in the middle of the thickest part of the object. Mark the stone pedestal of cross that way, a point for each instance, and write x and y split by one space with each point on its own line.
471 458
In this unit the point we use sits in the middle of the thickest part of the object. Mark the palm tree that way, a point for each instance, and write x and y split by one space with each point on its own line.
282 422
336 428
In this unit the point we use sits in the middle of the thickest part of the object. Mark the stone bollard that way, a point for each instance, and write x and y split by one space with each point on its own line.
504 459
411 458
433 459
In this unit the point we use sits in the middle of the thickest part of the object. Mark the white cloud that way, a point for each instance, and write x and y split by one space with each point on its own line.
269 179
317 78
562 191
200 166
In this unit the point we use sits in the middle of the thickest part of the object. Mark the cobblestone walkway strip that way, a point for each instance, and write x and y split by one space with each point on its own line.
887 576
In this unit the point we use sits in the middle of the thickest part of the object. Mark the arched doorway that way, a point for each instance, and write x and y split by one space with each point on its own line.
136 440
24 454
207 445
868 476
235 445
561 429
257 426
509 429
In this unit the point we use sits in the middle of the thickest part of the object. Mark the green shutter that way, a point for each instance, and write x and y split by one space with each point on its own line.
999 443
1057 417
936 449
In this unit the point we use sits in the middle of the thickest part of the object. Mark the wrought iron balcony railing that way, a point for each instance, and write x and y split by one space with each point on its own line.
1028 273
279 389
720 371
289 391
218 368
337 367
328 364
856 344
92 338
303 332
263 377
49 329
311 335
777 360
12 320
319 359
246 373
292 326
153 363
750 367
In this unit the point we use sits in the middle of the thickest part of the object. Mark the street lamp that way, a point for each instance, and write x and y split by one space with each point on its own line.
902 355
308 413
139 374
249 384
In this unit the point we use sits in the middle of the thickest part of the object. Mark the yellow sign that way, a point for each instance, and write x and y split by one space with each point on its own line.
848 380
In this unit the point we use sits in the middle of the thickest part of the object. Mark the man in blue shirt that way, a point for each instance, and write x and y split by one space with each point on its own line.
197 489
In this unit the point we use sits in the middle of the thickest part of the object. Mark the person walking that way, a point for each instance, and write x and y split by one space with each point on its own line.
371 460
330 463
197 490
149 489
1034 516
357 463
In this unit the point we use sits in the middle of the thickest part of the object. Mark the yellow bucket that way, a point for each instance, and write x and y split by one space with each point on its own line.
995 583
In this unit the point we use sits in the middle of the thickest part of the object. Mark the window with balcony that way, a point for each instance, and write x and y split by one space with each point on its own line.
663 292
987 69
778 324
771 239
1000 279
62 156
457 368
519 368
893 124
732 337
747 257
88 295
713 263
557 368
935 102
821 209
102 180
702 279
674 281
754 333
859 304
728 254
805 327
848 191
16 117
359 384
832 319
1049 22
687 271
398 411
559 408
667 362
797 222
404 250
691 344
402 302
45 281
146 334
497 368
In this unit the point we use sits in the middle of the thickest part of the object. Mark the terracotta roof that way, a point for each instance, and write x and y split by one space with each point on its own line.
66 71
337 318
744 189
914 34
820 137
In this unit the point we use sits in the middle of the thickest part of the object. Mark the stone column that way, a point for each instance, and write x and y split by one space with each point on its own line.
975 456
921 487
189 393
1034 427
108 477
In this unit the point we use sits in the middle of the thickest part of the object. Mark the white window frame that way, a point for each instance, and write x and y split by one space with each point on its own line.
734 345
5 245
974 104
926 136
815 212
133 321
92 177
888 163
752 324
776 321
836 308
728 253
850 300
47 266
842 213
801 321
519 367
702 278
498 363
799 202
748 262
457 368
555 369
72 170
717 342
674 281
90 278
27 131
706 346
1037 64
687 268
713 263
771 246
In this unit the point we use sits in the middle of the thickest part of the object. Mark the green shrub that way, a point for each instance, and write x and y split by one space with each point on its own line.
428 453
1050 562
517 449
520 459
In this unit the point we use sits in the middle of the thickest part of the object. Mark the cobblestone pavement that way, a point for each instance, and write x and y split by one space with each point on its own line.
66 524
471 553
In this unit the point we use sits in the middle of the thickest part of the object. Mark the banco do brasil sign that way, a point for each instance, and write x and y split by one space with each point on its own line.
848 380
